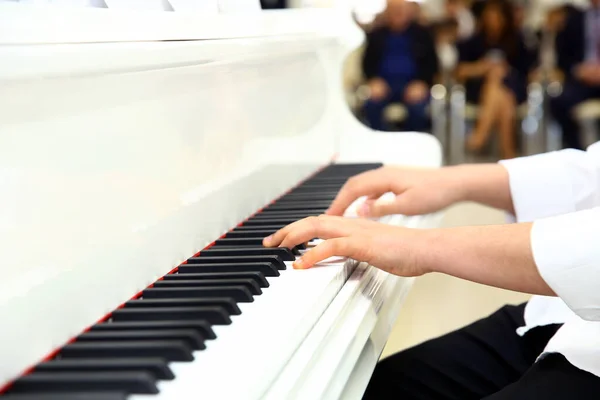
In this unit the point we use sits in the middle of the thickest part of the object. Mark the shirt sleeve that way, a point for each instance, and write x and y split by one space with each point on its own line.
554 183
561 192
566 252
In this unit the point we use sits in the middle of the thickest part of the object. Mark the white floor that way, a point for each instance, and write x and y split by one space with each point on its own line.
438 304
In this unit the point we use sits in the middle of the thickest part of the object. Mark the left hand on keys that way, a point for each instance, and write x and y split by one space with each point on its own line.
393 249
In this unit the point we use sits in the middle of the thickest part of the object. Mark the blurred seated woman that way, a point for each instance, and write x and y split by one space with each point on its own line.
494 64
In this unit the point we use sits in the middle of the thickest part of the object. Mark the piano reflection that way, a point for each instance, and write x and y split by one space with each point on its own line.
143 157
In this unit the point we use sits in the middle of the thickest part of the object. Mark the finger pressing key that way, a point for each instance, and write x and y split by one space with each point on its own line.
350 246
322 227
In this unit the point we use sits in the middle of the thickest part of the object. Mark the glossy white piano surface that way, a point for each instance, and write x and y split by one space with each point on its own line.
122 155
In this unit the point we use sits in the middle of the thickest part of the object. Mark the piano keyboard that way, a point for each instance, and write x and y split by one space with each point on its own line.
210 328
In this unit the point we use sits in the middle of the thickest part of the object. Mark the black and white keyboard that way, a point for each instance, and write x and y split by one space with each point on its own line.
234 310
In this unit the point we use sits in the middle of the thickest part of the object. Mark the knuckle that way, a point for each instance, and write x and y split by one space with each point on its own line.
314 222
294 238
352 183
364 248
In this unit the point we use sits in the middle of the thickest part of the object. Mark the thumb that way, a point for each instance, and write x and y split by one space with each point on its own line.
406 203
379 207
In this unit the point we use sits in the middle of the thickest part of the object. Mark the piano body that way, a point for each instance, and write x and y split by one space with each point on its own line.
129 142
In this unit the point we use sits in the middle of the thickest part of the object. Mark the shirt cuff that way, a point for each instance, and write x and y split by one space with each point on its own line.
540 186
567 256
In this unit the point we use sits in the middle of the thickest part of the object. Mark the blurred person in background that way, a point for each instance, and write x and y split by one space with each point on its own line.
578 52
399 64
446 32
458 10
520 12
554 22
418 15
494 64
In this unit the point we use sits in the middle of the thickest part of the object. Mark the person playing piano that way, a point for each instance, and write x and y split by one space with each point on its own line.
548 348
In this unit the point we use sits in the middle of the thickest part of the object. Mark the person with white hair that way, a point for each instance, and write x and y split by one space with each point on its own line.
400 64
578 58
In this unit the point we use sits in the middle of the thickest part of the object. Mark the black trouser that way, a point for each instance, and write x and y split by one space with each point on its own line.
486 359
562 106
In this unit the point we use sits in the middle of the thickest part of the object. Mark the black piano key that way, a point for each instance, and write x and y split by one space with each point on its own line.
311 195
317 188
272 228
246 241
269 221
265 268
171 350
282 252
205 258
294 206
249 242
260 235
126 381
214 315
286 215
227 304
297 205
202 327
239 293
294 250
365 166
250 233
248 283
324 188
257 277
68 396
189 336
314 194
291 213
158 367
313 203
328 179
313 198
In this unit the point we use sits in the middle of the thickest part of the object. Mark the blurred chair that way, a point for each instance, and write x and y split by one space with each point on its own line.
587 114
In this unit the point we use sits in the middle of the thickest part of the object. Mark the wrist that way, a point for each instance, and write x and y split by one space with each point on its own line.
481 183
427 255
465 181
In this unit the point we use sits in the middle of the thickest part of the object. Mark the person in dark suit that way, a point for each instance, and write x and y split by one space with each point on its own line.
494 65
399 63
578 51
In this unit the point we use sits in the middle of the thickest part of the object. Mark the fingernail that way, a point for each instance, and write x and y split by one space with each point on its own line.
267 240
298 264
363 210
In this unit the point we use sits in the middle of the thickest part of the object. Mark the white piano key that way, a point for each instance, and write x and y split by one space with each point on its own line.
239 6
139 5
79 3
207 7
260 341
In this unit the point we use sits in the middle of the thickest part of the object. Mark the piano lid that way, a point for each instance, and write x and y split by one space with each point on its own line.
21 23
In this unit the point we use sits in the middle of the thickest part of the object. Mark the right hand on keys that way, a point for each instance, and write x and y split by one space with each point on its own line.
423 191
417 191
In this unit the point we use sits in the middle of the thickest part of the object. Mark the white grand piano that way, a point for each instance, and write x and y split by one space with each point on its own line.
130 140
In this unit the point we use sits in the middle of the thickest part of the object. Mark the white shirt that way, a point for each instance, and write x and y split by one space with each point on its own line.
560 192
